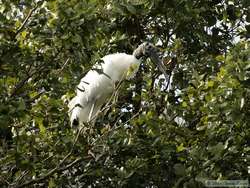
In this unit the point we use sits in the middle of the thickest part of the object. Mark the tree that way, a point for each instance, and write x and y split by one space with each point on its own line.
147 135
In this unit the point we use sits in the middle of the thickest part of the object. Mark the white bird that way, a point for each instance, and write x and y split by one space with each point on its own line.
99 83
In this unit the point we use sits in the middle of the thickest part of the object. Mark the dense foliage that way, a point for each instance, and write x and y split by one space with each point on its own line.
147 135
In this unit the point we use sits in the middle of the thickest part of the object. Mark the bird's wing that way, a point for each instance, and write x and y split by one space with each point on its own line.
72 104
97 85
92 91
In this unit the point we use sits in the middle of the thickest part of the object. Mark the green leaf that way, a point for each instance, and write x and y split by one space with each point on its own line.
217 149
131 9
179 169
21 105
137 2
76 38
52 183
210 83
248 28
180 148
184 104
39 121
248 17
23 34
220 58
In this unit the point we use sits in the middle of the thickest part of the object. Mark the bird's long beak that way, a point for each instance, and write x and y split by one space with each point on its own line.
156 60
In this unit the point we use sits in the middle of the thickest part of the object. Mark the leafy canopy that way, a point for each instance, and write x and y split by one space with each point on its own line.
149 135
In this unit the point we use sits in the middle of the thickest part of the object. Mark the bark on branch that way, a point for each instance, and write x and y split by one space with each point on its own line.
26 20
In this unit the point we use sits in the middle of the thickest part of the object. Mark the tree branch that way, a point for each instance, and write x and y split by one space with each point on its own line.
56 169
63 66
51 172
23 81
26 20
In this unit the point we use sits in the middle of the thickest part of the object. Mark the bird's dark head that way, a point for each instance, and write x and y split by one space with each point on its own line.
145 50
148 50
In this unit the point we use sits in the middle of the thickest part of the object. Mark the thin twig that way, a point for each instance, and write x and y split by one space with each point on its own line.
168 81
26 20
36 97
22 175
108 105
116 127
23 81
134 116
73 163
63 66
4 180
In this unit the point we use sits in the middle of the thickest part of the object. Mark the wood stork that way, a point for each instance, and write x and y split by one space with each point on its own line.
99 83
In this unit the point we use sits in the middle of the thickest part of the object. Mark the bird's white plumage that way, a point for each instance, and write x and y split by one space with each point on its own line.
95 87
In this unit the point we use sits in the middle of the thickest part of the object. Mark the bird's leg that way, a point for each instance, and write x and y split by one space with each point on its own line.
91 111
